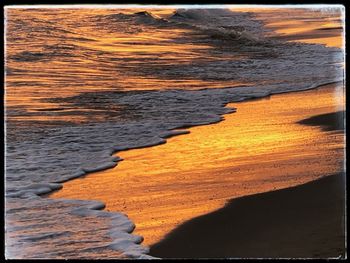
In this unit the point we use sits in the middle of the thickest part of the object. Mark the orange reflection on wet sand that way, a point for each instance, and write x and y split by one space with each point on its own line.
308 25
257 149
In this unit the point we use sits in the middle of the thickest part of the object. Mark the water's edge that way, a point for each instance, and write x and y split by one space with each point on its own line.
73 143
135 249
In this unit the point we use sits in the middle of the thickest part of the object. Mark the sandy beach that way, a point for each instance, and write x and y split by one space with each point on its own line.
189 175
305 221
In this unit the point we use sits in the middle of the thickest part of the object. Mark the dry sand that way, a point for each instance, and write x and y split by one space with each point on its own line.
305 221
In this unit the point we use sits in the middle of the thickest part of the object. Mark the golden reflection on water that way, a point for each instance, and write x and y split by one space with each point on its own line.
318 26
72 51
64 52
257 149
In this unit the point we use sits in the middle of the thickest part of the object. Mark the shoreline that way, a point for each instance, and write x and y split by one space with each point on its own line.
178 131
88 135
247 101
304 221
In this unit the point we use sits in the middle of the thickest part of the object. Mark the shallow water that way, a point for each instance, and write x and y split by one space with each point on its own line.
84 83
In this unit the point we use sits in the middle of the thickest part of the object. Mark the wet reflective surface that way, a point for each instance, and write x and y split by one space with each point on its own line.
82 83
257 149
314 25
63 52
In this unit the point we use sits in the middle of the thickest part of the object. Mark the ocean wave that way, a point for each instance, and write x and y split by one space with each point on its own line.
227 27
137 18
215 23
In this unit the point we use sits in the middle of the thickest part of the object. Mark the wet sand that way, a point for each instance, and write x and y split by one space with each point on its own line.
329 122
305 221
259 148
325 31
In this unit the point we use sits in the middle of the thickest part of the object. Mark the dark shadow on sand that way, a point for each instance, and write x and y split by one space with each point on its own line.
333 121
